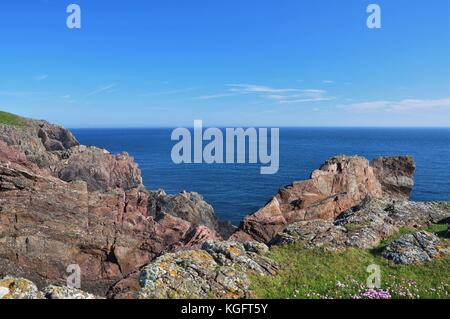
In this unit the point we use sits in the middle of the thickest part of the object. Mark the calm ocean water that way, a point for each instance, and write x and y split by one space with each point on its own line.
237 190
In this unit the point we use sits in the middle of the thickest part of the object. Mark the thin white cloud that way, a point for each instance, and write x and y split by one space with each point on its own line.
251 88
102 89
41 77
216 96
280 95
316 99
327 81
398 106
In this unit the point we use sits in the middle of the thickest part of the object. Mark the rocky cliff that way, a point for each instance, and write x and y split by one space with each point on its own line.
63 203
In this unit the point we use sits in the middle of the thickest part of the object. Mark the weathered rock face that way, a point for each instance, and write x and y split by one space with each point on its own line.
341 183
26 140
54 137
99 169
218 270
47 224
364 226
416 248
55 149
81 206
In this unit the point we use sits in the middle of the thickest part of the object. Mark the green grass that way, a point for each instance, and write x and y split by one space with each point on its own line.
317 274
11 119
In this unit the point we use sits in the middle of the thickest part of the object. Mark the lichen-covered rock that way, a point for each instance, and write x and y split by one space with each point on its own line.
219 270
416 248
54 292
341 183
19 288
313 234
364 226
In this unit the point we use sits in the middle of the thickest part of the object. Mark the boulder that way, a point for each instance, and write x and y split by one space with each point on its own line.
416 248
218 270
19 288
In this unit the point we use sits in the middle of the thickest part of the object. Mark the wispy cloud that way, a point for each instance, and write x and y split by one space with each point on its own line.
216 96
106 88
280 95
327 81
398 106
171 92
252 88
41 77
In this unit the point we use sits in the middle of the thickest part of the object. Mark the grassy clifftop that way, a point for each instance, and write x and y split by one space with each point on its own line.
11 119
319 274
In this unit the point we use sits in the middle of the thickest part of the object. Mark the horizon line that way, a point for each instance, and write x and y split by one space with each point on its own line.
253 126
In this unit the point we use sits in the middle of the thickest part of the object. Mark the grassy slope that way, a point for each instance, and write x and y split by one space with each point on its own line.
318 274
11 119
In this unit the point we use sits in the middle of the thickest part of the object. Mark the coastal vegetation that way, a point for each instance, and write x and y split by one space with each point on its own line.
318 274
11 119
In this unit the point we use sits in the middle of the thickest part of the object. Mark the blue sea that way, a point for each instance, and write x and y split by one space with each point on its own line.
239 189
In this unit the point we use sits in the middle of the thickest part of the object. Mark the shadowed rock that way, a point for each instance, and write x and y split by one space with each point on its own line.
190 207
395 175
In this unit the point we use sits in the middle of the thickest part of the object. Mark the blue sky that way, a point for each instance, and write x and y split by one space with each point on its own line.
230 63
